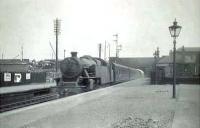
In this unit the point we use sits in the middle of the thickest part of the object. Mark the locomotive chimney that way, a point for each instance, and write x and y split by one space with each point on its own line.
74 54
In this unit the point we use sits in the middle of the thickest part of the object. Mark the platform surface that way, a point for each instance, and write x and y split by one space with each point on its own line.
26 87
135 104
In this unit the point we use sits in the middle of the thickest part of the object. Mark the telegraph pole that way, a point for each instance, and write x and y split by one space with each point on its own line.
99 50
105 51
64 53
57 32
22 52
158 52
108 51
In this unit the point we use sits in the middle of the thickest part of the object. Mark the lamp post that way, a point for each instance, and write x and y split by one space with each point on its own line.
174 31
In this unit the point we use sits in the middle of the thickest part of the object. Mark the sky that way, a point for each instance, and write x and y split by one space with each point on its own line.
142 26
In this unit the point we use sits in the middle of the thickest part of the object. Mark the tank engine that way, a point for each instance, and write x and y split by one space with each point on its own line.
86 73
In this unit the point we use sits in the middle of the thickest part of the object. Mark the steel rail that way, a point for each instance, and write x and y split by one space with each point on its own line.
35 100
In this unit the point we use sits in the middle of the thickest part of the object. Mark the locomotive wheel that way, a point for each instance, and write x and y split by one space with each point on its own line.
71 93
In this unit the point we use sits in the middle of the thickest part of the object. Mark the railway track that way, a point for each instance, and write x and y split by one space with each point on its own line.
35 100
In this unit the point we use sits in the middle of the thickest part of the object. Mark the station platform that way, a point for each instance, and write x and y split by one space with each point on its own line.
28 87
134 104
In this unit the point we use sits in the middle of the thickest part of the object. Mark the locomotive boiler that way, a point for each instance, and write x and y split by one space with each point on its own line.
86 73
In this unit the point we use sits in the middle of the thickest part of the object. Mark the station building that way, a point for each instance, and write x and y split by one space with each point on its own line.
187 66
15 72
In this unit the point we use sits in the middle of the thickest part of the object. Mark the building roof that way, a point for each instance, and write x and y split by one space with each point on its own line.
12 61
189 49
164 60
14 68
13 65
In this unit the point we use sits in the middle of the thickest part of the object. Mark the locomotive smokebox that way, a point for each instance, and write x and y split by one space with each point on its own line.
71 67
74 54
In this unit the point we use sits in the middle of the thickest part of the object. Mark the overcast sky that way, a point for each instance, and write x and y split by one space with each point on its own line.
142 26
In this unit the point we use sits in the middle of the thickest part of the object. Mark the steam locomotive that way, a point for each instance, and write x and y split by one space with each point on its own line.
86 73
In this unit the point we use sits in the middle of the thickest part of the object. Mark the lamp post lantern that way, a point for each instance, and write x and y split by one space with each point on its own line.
174 31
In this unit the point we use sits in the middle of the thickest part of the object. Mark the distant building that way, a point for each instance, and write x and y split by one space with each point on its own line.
143 63
14 65
15 72
188 61
187 65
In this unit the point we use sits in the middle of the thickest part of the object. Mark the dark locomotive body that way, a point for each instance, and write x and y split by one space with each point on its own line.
86 73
